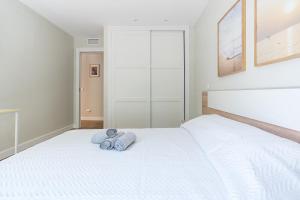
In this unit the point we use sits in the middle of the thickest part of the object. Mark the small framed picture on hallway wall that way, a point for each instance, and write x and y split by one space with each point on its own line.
94 70
231 40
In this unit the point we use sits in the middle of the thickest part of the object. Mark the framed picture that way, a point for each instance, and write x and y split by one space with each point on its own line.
277 31
231 40
94 70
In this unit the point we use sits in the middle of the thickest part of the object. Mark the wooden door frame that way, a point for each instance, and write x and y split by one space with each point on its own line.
78 51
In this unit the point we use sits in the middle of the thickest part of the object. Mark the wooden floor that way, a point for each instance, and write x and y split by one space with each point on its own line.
91 124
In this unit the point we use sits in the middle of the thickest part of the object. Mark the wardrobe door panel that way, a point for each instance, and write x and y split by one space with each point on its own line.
131 49
131 79
167 79
167 49
148 79
167 83
167 113
131 83
131 114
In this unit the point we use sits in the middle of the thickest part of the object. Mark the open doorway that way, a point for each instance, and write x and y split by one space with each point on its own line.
91 90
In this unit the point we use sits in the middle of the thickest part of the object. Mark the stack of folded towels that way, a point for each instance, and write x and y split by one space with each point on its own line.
114 139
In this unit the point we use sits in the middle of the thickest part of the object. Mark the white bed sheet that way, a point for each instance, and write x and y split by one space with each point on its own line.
164 164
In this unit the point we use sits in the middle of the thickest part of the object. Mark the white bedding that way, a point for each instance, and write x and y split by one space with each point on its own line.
253 164
164 164
209 158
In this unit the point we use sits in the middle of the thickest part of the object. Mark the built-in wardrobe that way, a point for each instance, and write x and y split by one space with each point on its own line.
147 77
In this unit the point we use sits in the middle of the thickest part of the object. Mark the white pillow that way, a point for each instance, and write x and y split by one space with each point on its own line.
212 131
252 163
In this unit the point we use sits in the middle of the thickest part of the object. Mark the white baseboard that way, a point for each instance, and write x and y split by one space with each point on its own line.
25 145
6 153
75 126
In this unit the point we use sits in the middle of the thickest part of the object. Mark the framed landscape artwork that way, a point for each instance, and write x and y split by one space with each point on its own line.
231 40
277 35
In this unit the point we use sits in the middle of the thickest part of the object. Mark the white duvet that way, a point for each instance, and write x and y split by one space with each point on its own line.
209 158
164 164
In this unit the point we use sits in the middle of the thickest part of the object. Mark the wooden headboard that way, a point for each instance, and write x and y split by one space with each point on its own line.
281 131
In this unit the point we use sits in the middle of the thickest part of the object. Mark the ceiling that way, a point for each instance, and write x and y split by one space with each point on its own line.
86 18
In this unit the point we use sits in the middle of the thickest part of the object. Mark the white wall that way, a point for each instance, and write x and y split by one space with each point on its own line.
193 75
36 73
285 74
81 42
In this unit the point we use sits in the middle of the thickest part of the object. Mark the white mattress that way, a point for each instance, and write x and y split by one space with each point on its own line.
164 164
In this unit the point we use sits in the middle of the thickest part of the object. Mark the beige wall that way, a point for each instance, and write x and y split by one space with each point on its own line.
91 99
36 73
284 74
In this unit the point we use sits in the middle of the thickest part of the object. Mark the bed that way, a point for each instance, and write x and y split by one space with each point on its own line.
163 164
208 158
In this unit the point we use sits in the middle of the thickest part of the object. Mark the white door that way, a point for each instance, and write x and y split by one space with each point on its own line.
167 79
131 79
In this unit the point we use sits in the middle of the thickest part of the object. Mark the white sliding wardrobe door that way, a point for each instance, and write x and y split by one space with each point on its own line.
167 78
131 79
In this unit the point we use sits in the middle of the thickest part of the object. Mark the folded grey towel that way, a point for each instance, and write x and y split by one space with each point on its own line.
98 138
124 141
112 133
109 143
